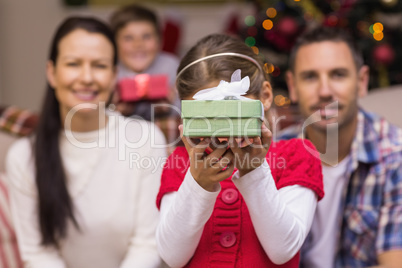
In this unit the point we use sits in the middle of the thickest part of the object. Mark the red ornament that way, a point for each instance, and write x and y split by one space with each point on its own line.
171 35
384 54
287 26
331 20
232 26
252 31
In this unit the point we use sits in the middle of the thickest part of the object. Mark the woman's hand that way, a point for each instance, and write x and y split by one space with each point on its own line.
208 170
252 156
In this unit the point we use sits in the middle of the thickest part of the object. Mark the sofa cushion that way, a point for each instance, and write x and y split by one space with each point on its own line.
14 123
17 121
6 139
9 254
385 102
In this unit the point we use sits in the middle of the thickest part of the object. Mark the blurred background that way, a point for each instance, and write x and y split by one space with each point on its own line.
268 26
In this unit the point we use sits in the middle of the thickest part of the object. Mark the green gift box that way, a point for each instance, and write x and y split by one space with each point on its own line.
222 118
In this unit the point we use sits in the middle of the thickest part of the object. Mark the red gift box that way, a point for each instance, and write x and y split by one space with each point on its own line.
144 87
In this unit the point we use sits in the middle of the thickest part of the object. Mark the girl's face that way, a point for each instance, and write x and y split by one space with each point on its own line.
84 72
138 45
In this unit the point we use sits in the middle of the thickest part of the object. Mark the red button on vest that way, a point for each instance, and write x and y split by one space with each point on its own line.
229 196
227 239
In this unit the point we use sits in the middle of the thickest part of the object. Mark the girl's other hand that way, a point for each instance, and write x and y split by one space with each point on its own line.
208 169
252 156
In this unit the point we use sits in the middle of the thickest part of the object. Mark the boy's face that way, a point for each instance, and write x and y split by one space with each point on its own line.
138 45
325 73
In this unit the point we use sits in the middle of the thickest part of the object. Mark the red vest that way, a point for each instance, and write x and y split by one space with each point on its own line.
229 238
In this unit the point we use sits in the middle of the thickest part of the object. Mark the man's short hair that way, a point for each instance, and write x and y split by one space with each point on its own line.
133 13
321 34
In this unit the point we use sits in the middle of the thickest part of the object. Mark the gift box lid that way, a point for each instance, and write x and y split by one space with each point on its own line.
222 108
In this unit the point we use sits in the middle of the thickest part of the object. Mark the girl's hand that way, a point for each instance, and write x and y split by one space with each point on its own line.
208 170
252 156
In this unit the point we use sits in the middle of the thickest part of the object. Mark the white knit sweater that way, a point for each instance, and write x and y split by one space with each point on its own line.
113 183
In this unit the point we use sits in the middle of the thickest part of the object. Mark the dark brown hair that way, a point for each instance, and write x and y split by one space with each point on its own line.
55 204
322 34
133 13
203 73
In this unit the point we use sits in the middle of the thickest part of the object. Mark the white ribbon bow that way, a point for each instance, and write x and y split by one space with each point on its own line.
225 90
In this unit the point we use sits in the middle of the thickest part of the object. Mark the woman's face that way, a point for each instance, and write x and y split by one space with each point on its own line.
138 45
84 72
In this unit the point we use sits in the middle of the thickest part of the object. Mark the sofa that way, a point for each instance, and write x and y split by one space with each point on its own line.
385 102
14 123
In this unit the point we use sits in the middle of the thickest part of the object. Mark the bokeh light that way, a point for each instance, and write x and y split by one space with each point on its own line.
378 27
332 20
276 72
269 68
271 12
255 50
378 36
250 41
278 99
376 30
371 29
267 24
249 20
281 101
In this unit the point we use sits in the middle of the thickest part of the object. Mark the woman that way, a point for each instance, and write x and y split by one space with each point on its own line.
79 197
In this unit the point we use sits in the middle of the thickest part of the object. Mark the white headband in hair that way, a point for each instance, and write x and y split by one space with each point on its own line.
218 55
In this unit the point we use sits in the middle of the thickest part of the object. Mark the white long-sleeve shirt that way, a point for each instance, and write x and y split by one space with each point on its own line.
113 185
281 218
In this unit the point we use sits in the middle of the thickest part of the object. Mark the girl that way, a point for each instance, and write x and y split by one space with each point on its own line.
76 200
236 206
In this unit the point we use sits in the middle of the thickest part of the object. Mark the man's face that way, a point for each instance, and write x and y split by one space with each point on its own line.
325 79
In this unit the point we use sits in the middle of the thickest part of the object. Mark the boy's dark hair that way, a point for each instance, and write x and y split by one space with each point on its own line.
133 13
321 34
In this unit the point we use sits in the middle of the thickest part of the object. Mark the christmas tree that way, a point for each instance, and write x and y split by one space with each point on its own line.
376 26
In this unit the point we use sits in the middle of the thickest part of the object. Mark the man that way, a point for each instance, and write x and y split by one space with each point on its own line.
359 221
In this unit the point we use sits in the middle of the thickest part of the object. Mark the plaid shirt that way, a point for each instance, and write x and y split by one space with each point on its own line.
371 222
